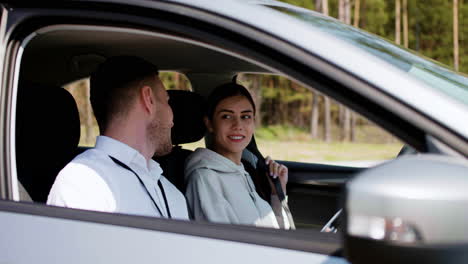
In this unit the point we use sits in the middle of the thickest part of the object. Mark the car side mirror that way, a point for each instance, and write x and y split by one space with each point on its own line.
413 209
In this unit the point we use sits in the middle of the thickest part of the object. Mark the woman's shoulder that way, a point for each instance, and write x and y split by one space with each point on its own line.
207 162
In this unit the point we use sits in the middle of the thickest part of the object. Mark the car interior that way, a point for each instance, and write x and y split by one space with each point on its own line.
72 52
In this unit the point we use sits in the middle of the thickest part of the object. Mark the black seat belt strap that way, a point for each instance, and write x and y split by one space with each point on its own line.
165 199
279 192
252 147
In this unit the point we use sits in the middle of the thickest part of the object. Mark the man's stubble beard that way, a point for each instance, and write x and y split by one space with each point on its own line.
160 138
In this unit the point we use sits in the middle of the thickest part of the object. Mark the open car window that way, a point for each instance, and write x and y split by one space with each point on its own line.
74 49
80 91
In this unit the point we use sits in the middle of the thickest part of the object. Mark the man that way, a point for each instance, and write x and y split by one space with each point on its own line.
118 174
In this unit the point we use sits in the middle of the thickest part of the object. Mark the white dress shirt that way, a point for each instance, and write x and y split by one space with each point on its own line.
93 181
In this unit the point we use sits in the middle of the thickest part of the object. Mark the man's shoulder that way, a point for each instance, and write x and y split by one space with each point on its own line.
91 162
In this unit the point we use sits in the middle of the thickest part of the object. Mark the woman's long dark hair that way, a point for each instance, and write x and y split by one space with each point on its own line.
230 90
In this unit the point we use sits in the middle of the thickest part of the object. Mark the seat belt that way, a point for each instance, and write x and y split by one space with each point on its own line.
261 165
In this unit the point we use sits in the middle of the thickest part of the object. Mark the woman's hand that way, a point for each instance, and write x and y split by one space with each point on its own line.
277 170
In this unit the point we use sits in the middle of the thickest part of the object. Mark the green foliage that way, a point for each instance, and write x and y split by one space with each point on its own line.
374 17
309 4
281 133
175 81
430 25
463 36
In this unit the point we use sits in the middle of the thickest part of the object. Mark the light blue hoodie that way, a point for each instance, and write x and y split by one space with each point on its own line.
220 191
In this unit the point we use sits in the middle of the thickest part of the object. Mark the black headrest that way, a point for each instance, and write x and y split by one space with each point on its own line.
47 136
188 108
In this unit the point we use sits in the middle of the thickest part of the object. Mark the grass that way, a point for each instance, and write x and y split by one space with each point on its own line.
292 144
304 151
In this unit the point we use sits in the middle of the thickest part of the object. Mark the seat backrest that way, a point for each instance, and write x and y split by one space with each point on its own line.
47 136
188 108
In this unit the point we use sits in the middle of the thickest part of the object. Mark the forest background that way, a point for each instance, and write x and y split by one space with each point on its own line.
307 126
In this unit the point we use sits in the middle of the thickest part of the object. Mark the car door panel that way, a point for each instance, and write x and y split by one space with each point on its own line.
58 235
314 191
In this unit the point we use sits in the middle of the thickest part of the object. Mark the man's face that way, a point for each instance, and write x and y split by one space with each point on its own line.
162 121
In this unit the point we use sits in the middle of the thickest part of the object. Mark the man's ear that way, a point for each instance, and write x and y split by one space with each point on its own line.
147 98
208 124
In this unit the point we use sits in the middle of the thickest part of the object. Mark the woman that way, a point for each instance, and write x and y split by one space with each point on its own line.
219 189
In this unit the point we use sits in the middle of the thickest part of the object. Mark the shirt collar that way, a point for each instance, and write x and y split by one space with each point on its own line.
126 154
119 150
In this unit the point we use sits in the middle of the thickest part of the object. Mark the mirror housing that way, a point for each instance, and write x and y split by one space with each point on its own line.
413 209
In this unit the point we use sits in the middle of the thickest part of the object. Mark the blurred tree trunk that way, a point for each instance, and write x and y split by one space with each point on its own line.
347 113
325 7
327 118
347 11
344 14
353 126
315 115
347 124
326 100
397 22
88 113
256 90
405 23
455 36
341 8
284 85
357 12
318 5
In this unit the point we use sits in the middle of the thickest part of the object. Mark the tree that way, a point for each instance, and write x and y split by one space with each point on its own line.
357 12
397 22
326 100
314 115
455 34
325 7
405 23
327 121
344 13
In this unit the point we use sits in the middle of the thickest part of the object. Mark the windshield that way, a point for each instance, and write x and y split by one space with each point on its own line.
429 71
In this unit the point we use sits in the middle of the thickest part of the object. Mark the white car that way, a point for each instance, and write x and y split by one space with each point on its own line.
409 210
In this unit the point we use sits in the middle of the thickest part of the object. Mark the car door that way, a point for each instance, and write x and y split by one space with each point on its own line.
34 232
314 191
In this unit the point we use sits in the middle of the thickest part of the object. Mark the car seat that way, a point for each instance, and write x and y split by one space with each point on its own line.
47 136
188 108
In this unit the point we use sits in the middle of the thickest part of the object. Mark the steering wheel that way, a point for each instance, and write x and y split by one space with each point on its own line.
332 225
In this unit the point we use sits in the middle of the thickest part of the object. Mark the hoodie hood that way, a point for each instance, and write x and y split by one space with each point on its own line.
208 159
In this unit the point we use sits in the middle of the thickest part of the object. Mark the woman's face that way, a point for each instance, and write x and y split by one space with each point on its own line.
232 126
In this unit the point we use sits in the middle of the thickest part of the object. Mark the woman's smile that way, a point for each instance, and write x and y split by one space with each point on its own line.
233 125
236 138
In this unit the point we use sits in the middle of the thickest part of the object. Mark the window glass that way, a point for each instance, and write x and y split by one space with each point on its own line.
434 74
80 91
175 81
291 125
89 128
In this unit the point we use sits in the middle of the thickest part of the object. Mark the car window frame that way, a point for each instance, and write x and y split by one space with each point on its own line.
287 64
330 244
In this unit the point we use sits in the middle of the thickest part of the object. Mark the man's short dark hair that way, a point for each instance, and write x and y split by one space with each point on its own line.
115 83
